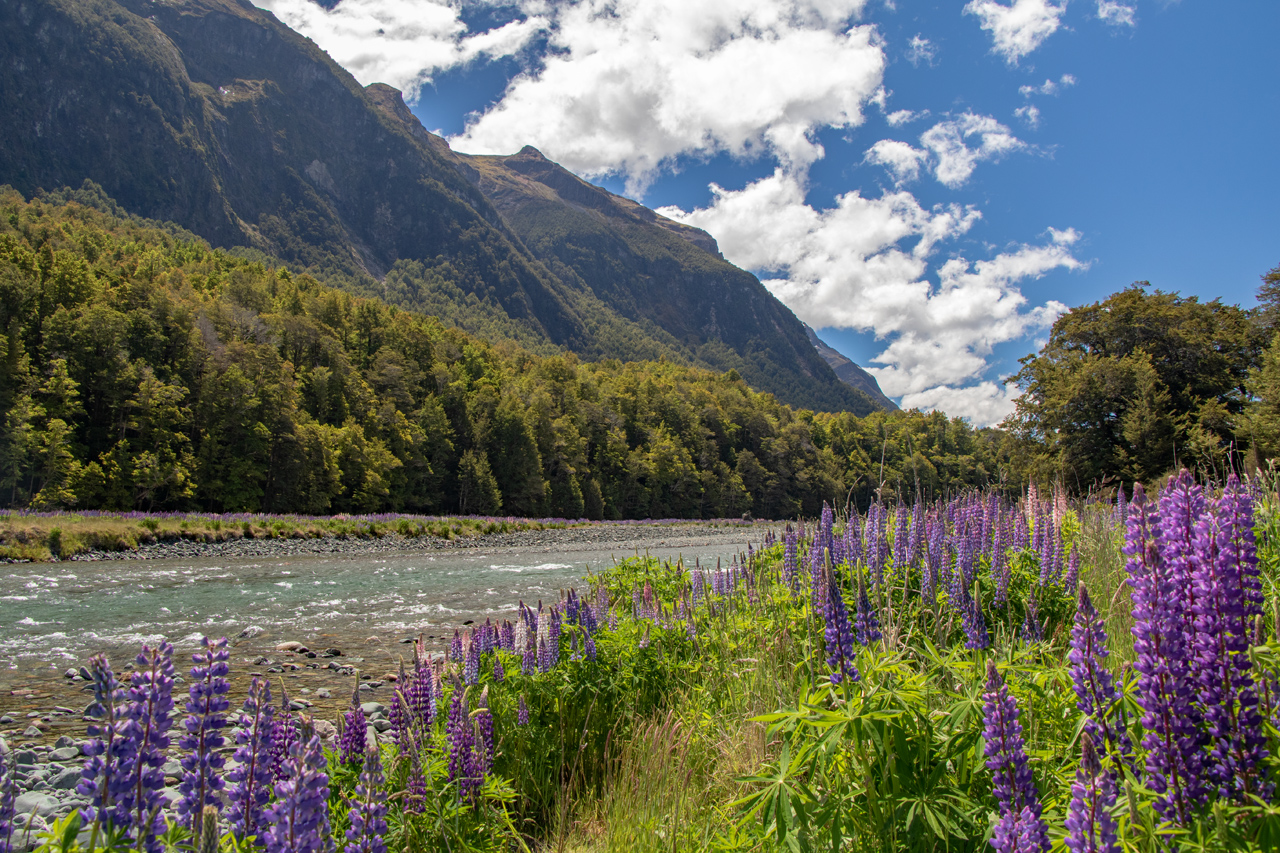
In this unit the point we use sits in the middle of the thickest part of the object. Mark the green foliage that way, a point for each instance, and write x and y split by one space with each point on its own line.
1131 385
140 369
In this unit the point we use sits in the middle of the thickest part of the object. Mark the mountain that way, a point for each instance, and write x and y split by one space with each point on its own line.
849 372
214 115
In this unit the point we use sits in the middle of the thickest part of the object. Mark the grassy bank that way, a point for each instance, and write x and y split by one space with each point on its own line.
44 536
836 691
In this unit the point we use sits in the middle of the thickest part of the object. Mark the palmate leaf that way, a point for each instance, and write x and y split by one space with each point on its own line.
782 798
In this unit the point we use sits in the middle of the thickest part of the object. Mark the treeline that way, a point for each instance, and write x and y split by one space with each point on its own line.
141 369
1143 382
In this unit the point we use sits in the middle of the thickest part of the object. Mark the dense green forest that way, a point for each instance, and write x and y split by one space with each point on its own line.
141 369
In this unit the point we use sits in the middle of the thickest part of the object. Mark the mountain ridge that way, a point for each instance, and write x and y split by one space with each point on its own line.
216 116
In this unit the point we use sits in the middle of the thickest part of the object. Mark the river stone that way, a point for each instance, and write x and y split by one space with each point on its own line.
66 753
26 756
324 693
291 646
4 746
41 803
172 768
66 779
325 729
5 720
32 731
71 673
250 632
65 740
382 725
371 708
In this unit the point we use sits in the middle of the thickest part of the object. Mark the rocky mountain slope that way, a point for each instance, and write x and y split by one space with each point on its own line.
214 115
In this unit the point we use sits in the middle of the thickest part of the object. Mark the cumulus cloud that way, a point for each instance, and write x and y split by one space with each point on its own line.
1117 14
950 150
920 49
1048 87
897 118
1030 114
628 86
400 42
1019 29
862 264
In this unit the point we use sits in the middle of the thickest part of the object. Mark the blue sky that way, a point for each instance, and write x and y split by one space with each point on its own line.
927 183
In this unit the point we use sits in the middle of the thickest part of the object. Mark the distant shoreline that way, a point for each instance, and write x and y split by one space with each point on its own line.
97 537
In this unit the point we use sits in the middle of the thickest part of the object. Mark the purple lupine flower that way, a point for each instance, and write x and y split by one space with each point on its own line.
106 778
915 537
368 815
838 634
416 784
901 521
1090 826
1032 627
471 659
1047 549
1172 743
1182 504
553 636
455 647
8 799
867 623
999 566
355 738
461 738
973 622
284 733
297 821
507 636
522 712
1073 568
1014 788
1020 537
207 706
790 568
1096 692
589 645
1122 509
150 708
1019 832
1228 694
251 778
484 731
499 672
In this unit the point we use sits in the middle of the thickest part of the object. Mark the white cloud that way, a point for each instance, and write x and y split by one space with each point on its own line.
897 118
984 404
1048 87
1117 14
946 151
1019 29
920 49
628 86
1030 114
902 161
953 160
399 42
862 264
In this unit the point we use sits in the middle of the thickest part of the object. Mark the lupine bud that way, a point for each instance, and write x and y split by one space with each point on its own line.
354 740
207 837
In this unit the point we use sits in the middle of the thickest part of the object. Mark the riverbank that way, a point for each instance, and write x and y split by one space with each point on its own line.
53 537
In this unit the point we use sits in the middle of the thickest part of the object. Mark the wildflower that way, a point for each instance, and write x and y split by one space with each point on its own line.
522 712
252 776
149 709
105 779
354 740
1224 567
484 730
867 623
1172 743
1090 826
838 633
207 708
790 568
1095 689
368 815
284 733
297 820
1013 786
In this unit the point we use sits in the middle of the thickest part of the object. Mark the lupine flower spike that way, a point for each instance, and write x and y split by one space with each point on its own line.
351 746
207 709
150 707
368 813
1090 826
1014 788
251 779
1096 692
298 817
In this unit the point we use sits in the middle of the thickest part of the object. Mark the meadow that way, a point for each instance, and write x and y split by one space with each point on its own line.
961 675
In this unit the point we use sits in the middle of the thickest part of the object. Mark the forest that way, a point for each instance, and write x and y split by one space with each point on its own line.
141 369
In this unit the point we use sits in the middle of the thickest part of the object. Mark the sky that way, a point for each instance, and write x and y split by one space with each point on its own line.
928 184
